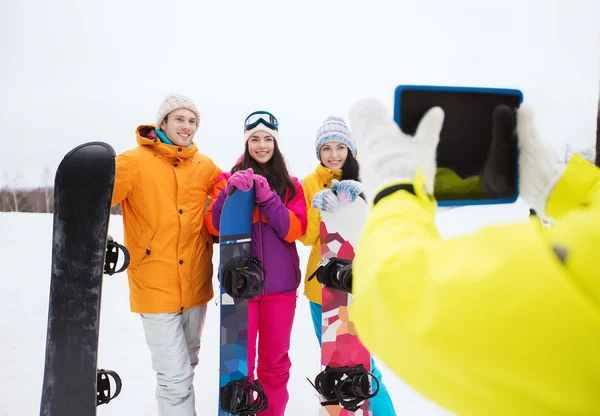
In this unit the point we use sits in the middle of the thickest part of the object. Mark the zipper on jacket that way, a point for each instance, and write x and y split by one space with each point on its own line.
261 255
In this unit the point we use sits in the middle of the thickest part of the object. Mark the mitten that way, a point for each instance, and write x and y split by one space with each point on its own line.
539 166
388 154
326 201
262 190
241 179
348 190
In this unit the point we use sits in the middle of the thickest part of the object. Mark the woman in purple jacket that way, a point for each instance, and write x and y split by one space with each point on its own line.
279 220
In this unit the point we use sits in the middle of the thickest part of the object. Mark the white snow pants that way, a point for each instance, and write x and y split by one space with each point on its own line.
174 342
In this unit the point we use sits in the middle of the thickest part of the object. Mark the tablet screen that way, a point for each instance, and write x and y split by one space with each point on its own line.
470 165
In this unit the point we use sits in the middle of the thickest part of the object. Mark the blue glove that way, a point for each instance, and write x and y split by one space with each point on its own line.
347 190
325 200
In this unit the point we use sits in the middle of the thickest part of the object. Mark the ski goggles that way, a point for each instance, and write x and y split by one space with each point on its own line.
264 117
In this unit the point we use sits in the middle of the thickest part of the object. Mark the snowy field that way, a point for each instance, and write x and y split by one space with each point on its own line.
25 251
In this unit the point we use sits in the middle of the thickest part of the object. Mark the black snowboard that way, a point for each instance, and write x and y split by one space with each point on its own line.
83 191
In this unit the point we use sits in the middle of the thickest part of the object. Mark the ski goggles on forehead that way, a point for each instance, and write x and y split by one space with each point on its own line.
264 117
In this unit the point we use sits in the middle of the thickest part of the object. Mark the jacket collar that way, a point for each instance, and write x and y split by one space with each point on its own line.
327 175
146 136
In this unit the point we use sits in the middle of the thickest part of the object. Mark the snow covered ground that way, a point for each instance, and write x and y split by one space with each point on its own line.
25 251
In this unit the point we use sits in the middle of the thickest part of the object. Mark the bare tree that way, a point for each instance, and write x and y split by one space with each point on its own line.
15 197
35 200
5 199
48 188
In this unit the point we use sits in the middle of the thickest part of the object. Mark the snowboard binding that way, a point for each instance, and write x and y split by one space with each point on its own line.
334 273
243 277
237 397
103 386
112 256
345 386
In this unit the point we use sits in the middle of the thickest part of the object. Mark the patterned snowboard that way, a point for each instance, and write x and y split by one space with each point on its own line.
340 347
235 237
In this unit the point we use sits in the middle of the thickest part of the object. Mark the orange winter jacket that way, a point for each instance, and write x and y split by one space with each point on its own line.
163 192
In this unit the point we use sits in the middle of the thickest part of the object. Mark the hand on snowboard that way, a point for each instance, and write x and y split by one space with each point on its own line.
347 190
242 180
340 193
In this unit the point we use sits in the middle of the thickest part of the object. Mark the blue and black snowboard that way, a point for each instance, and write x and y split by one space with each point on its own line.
81 254
241 278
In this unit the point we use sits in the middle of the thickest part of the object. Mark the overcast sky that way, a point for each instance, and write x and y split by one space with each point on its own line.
73 71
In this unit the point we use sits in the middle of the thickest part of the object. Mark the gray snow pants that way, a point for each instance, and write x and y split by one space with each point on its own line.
174 342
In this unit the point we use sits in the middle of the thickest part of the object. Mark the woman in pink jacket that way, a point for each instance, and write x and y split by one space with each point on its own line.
279 220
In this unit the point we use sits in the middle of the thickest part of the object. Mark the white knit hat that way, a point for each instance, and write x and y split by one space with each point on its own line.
171 103
334 129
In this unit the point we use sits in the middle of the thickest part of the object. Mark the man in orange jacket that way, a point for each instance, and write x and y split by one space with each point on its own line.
162 186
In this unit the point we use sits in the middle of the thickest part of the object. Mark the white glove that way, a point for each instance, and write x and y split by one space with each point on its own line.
539 165
387 154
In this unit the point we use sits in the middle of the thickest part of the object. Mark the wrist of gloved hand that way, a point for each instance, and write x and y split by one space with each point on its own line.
539 165
388 155
241 179
326 201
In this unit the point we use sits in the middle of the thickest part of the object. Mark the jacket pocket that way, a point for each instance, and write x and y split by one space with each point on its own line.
207 241
144 247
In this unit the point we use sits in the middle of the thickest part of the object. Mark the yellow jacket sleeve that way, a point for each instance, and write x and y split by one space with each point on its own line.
578 188
311 236
315 182
491 323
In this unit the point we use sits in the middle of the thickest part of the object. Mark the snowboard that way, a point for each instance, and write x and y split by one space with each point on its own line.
235 232
83 190
340 345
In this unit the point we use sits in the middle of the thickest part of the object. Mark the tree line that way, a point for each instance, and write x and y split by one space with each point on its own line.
39 199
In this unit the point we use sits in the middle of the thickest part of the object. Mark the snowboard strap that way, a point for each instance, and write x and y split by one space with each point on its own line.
237 397
348 387
112 256
334 273
103 386
243 277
